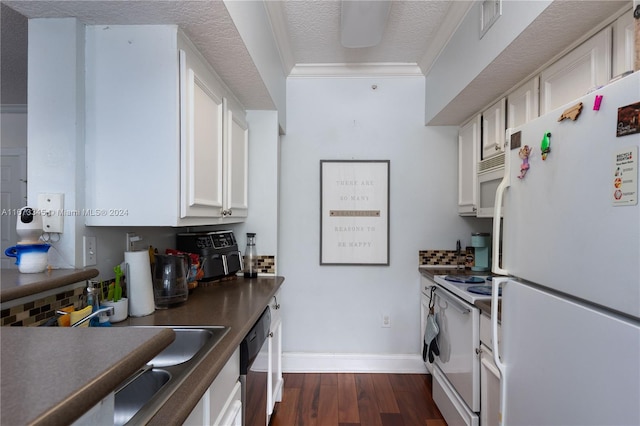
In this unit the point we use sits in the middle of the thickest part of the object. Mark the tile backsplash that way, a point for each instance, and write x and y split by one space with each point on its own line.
40 310
445 257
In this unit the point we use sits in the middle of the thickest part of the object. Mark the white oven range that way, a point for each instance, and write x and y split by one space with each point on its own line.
456 370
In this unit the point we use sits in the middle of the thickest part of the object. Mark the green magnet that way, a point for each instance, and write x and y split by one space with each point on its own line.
545 145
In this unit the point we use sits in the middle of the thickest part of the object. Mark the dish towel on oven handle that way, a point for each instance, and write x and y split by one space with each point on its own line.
430 344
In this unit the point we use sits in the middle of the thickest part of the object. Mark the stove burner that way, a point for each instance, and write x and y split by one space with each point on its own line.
482 289
464 279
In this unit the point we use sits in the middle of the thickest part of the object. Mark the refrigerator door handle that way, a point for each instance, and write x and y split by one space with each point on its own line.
495 291
497 212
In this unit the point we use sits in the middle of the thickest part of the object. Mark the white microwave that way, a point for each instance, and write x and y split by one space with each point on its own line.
488 182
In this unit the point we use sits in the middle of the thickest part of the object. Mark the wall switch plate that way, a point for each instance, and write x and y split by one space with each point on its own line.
51 207
90 251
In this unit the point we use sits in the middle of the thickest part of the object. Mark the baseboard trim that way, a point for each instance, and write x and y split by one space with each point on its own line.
303 362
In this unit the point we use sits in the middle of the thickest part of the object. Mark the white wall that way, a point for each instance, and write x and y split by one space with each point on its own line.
338 309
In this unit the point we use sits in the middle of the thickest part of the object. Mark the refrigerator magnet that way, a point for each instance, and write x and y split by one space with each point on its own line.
545 145
524 155
628 120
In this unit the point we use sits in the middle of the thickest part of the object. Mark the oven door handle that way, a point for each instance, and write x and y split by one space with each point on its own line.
459 306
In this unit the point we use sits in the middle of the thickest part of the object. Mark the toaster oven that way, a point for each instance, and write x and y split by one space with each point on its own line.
218 251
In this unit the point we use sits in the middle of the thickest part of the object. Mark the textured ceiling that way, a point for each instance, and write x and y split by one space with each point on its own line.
314 30
307 33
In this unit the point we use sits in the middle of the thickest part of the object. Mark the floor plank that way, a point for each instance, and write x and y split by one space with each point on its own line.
367 401
357 399
384 394
347 399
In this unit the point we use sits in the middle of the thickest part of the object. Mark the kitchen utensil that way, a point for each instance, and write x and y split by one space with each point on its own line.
139 285
170 279
30 258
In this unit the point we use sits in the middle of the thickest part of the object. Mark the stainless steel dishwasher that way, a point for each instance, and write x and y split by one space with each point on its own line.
254 380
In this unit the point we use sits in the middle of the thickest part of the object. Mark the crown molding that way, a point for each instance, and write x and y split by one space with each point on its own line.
278 24
357 70
447 29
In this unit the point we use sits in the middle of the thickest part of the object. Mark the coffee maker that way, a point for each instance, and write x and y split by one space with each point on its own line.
481 242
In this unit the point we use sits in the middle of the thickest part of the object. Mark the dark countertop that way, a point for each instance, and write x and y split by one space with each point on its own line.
14 285
53 375
236 304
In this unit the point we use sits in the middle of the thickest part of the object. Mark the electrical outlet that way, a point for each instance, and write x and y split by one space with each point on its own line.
90 251
51 206
386 321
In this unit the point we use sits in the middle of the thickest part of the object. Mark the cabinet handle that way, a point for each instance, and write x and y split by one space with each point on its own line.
227 212
271 334
475 209
277 305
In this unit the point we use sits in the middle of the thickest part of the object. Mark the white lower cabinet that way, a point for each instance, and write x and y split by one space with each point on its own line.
275 381
489 376
489 388
221 404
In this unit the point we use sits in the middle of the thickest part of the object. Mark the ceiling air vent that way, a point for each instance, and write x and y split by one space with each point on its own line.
491 11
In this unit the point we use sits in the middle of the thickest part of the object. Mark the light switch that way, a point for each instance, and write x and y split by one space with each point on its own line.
51 207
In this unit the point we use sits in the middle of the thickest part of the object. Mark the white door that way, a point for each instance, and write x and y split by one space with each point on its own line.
468 145
522 103
584 68
237 194
623 44
565 363
201 111
493 128
458 340
14 196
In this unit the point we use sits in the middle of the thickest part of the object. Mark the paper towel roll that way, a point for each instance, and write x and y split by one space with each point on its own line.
139 284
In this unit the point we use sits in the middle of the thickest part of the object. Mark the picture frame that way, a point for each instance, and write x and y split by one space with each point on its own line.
354 212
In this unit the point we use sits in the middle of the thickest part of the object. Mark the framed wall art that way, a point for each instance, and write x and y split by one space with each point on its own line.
354 212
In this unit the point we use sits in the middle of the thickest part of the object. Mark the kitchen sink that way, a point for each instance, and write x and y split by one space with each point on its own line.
140 396
186 345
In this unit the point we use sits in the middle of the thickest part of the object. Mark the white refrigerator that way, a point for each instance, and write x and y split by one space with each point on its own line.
570 233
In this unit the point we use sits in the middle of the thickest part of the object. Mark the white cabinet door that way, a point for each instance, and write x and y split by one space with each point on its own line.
584 68
522 104
493 130
489 388
201 113
623 44
237 150
275 381
155 129
468 145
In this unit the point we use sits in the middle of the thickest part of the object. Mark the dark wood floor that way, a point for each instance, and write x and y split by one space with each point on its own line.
351 399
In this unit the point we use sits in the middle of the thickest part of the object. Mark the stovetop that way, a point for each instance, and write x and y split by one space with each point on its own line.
474 289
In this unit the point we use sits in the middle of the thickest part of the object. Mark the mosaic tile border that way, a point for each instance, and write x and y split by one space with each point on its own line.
445 257
37 312
266 264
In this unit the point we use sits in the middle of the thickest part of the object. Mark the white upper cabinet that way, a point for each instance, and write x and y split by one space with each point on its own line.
522 104
623 44
236 165
159 132
468 145
201 141
493 130
584 68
